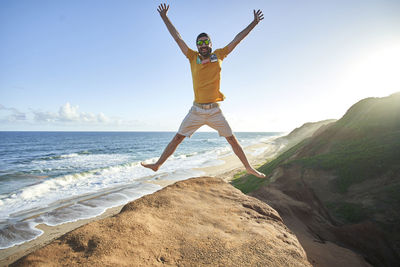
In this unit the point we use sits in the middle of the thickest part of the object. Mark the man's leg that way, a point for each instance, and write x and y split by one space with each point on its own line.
240 153
178 138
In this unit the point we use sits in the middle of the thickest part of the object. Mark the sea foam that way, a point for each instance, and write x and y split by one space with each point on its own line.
88 194
84 174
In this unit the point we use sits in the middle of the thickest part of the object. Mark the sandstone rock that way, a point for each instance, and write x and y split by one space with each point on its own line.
196 222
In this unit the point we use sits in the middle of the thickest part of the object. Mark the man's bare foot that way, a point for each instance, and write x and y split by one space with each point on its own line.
153 166
255 173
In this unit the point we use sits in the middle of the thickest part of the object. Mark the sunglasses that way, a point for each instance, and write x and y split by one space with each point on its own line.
201 42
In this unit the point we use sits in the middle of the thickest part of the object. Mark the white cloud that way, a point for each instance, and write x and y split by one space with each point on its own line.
70 114
40 116
68 117
102 118
11 114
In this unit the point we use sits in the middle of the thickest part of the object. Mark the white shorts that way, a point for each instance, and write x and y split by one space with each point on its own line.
198 117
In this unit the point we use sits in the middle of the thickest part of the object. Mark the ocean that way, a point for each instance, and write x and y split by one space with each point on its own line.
58 177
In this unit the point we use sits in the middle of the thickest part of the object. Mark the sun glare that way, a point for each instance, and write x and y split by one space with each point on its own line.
375 74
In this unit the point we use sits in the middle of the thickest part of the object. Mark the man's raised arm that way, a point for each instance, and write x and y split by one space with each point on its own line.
258 16
163 9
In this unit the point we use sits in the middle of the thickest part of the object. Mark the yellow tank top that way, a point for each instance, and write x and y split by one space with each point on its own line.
206 77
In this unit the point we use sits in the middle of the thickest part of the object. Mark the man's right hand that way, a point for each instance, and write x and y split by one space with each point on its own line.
163 9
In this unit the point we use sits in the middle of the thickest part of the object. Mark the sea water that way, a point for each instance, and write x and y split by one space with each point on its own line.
58 177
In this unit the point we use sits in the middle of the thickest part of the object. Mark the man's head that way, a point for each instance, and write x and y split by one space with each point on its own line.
204 45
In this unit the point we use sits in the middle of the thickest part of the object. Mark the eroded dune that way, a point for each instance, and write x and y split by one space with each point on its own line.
196 222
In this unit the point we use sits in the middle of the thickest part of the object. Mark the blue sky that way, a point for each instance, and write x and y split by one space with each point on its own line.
112 65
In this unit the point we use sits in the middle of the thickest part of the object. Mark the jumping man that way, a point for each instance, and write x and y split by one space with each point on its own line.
206 69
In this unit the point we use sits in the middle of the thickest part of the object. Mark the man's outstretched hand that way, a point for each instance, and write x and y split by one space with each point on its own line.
258 16
163 9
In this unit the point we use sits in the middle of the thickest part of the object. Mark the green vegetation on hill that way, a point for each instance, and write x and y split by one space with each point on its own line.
364 144
373 114
305 131
249 183
294 140
356 160
353 161
348 212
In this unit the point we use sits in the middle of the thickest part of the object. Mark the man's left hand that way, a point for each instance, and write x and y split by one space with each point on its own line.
258 16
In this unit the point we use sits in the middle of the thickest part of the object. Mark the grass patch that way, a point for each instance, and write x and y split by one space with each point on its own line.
354 161
268 168
250 183
239 174
392 195
347 212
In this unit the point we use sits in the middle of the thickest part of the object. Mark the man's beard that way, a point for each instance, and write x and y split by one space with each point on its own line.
205 54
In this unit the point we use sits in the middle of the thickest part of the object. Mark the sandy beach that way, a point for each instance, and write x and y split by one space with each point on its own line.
257 155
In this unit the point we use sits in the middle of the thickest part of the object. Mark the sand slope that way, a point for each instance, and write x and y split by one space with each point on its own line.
196 222
303 214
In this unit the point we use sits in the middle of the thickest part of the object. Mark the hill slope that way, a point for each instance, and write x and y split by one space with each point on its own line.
305 131
250 183
347 177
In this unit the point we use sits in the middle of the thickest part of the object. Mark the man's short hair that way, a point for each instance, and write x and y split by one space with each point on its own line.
203 34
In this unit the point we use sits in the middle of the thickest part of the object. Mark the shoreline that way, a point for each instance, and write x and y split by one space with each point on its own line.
257 154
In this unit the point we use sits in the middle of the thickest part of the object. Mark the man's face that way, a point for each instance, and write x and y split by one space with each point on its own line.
203 47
